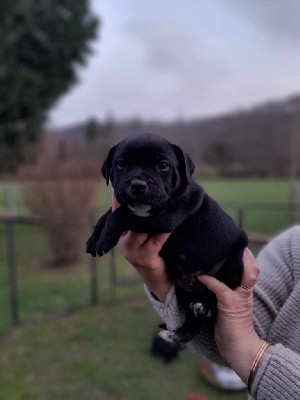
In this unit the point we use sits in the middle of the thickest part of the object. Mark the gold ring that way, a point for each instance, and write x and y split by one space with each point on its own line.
246 287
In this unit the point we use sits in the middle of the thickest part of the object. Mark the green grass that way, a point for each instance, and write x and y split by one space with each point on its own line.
230 193
97 353
44 290
252 195
249 191
49 290
102 352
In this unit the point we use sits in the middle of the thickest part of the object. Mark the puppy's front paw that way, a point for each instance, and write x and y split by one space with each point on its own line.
91 246
100 250
103 247
107 241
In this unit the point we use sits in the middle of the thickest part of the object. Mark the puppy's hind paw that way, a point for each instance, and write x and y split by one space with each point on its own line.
169 336
199 310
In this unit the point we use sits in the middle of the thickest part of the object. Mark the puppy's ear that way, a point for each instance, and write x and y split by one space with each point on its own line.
186 168
107 165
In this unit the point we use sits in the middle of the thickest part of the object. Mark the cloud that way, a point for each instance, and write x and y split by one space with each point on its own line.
187 61
279 19
170 50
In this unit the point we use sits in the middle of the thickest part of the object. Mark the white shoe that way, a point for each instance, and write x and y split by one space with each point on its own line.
221 377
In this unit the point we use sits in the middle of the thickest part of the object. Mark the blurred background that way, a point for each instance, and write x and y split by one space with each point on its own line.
220 78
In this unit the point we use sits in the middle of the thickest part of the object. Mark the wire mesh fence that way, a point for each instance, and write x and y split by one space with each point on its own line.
29 290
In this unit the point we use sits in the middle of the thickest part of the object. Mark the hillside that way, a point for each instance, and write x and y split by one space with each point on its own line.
258 140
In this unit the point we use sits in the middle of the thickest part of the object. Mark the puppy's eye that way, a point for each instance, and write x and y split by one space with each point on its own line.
121 164
163 166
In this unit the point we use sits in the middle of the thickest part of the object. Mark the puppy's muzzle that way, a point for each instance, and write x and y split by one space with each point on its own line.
138 187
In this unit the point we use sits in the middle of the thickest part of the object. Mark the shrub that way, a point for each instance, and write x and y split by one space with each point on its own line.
63 205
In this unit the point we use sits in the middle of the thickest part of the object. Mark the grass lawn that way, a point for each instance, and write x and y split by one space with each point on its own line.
265 202
42 289
251 194
97 353
102 352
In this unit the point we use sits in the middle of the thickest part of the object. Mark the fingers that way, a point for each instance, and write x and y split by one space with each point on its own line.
251 271
159 240
142 251
133 240
250 275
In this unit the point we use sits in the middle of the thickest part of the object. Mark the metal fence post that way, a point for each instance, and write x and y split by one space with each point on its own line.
113 275
94 281
12 271
94 295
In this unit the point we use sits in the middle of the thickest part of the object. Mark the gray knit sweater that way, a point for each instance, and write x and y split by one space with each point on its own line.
276 319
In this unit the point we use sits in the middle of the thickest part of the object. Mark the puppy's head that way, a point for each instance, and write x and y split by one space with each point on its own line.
146 172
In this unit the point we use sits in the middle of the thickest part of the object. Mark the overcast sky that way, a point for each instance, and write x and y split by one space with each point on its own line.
164 59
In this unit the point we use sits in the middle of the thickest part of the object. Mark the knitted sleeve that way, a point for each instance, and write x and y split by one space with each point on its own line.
274 286
169 313
276 319
276 308
279 375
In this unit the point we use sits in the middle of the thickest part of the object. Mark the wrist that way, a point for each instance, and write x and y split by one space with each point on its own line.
157 282
158 287
242 356
264 349
160 293
247 358
155 277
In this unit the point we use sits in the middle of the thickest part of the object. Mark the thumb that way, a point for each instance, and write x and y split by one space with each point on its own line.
221 290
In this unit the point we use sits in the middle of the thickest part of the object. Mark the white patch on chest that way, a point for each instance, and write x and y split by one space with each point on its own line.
140 210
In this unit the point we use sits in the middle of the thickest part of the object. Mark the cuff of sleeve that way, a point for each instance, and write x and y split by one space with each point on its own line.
276 375
168 310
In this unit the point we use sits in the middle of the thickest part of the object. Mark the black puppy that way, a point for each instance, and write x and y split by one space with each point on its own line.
152 182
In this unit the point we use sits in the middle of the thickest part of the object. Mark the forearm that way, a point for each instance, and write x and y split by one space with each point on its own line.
278 373
157 282
142 252
168 310
276 358
246 358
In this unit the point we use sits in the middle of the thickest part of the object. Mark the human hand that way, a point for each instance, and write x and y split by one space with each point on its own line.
142 252
234 332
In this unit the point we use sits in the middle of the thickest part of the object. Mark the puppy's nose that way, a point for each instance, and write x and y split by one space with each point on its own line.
138 186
